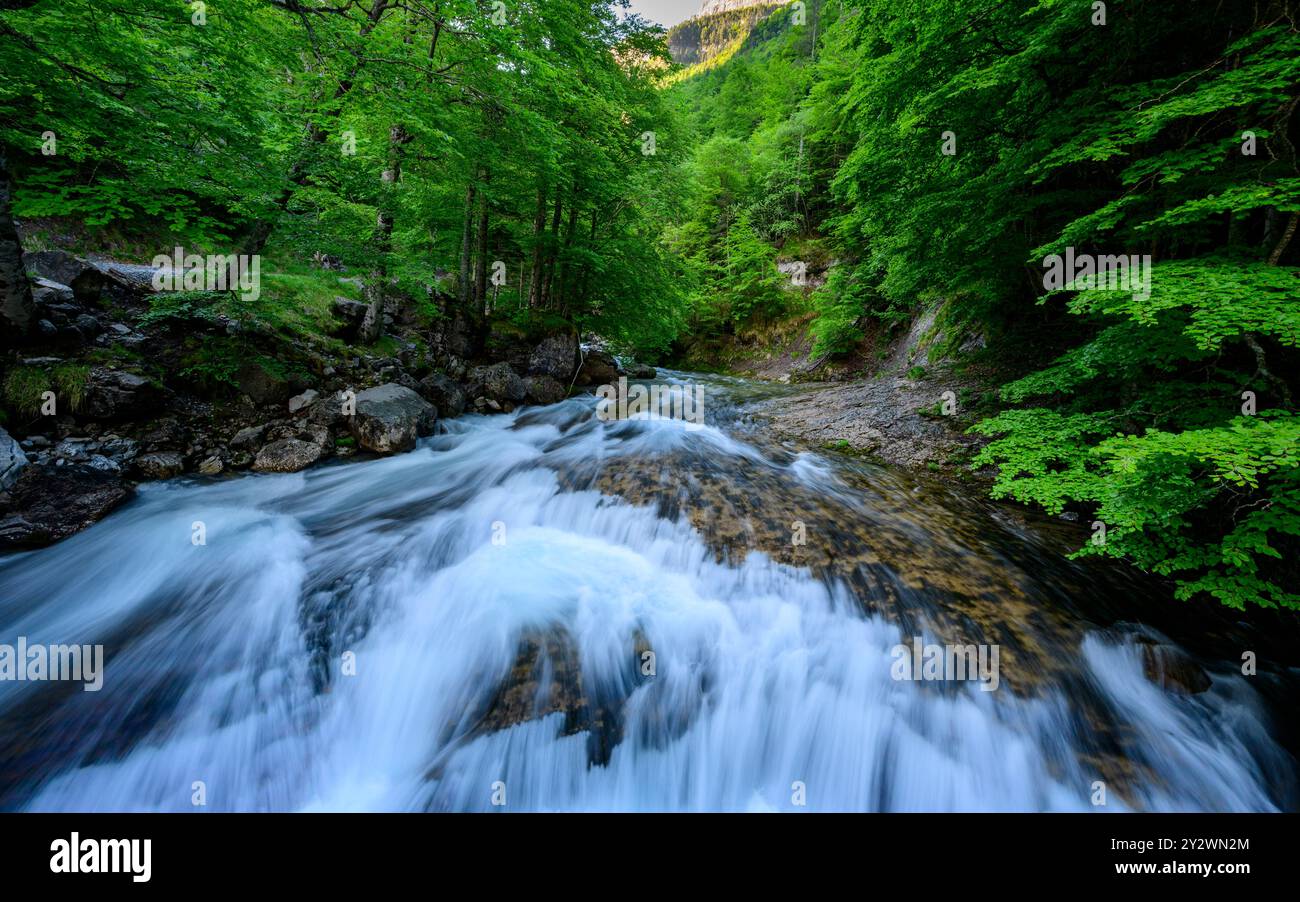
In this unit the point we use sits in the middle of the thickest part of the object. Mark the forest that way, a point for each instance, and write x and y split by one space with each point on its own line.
533 165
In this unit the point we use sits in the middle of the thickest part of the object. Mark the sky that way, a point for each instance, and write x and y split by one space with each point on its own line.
667 12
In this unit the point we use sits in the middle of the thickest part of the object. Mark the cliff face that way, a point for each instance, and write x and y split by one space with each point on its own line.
722 6
720 24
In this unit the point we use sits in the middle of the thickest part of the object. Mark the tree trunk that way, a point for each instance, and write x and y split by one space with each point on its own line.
553 247
565 275
535 278
17 311
481 266
466 241
372 325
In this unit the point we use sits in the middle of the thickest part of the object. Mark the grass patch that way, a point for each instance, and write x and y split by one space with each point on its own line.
24 389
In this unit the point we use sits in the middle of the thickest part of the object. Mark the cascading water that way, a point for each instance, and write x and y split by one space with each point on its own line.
470 623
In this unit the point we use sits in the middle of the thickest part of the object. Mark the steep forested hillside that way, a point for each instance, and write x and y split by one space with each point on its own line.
945 156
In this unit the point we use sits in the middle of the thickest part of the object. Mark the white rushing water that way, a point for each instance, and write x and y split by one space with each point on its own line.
225 661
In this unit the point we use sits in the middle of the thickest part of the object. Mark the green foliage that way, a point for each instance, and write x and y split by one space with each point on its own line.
23 390
25 387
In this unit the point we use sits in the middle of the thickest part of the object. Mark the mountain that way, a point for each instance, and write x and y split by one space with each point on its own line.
711 7
721 26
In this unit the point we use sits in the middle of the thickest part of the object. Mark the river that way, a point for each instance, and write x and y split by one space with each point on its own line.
544 611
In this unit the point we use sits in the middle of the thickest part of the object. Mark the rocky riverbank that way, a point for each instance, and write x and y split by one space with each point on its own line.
898 401
106 392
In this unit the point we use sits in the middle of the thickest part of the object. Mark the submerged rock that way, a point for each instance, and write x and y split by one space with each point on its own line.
1172 669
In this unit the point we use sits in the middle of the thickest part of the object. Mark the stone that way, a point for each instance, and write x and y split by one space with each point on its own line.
120 449
350 315
262 385
248 438
288 455
555 356
390 417
544 389
51 503
45 292
211 466
114 394
100 462
1172 669
598 368
88 326
497 382
304 400
443 392
63 268
12 459
159 465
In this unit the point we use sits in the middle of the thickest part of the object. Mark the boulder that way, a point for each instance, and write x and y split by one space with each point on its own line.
88 326
304 400
211 466
641 371
453 336
444 393
390 417
12 460
262 385
555 356
598 368
328 411
350 315
544 389
119 449
506 341
46 293
497 382
248 438
62 268
51 503
159 465
114 394
288 455
164 435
